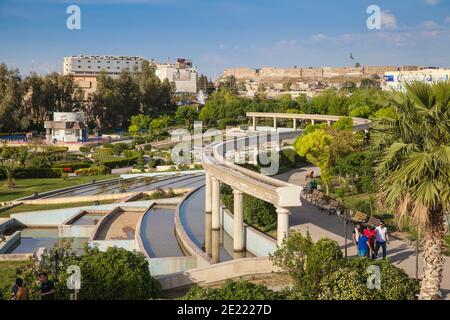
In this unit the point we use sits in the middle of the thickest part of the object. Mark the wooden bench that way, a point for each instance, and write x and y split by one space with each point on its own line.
373 222
315 196
334 206
359 217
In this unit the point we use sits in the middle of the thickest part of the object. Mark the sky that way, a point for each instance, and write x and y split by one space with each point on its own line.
218 34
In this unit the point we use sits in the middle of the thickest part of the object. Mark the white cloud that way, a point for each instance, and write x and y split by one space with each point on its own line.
447 19
318 37
432 2
388 20
429 24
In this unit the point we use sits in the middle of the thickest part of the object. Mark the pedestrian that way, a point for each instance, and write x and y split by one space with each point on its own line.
47 287
356 233
370 233
21 292
381 239
363 246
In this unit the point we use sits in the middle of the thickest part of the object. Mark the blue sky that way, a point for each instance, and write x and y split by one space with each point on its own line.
217 34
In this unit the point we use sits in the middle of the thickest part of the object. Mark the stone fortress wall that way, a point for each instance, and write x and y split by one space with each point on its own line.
273 73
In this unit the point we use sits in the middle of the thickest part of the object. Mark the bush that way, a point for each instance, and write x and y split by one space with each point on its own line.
324 258
119 162
85 149
73 166
234 290
320 272
259 213
93 171
36 173
344 284
223 123
116 274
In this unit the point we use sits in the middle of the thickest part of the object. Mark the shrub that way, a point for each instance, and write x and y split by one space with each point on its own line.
85 149
74 165
234 290
259 213
38 173
324 258
344 284
223 123
119 162
129 279
291 256
93 171
116 274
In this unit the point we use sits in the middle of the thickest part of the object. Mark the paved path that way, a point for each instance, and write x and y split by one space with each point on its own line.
320 225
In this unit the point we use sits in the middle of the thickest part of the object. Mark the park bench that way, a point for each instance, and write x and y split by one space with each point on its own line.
314 196
373 222
359 217
333 206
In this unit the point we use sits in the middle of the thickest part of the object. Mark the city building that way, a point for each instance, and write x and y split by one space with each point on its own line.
396 80
66 127
85 68
182 73
92 65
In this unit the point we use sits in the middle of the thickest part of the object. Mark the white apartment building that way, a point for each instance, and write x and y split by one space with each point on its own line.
85 69
92 65
396 80
182 73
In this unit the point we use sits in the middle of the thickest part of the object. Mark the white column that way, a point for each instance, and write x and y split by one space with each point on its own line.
275 123
208 194
294 123
329 123
215 203
238 221
282 224
312 121
254 123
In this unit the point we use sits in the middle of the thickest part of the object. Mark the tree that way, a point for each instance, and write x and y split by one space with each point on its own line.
12 116
186 115
344 123
413 173
316 147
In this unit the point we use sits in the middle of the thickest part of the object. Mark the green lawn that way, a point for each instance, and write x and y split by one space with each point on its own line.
37 207
26 187
8 274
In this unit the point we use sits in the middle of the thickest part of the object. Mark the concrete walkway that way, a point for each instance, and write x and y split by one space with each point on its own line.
320 225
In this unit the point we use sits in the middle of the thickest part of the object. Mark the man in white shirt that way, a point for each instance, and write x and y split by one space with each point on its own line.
381 239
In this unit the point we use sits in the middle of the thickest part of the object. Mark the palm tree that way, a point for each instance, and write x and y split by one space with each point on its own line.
413 171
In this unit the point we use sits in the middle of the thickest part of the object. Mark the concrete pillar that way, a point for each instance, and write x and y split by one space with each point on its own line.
294 121
275 123
208 233
215 204
254 124
208 194
238 221
329 123
282 224
312 121
215 255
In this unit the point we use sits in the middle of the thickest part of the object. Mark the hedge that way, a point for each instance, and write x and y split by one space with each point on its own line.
76 165
93 171
34 173
119 162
